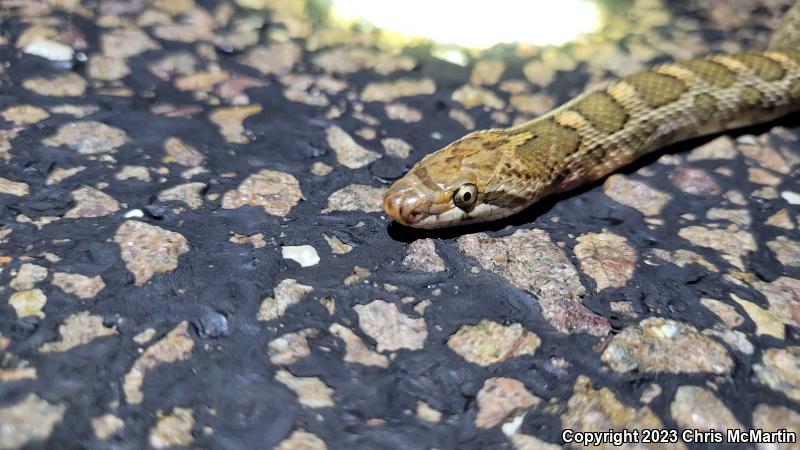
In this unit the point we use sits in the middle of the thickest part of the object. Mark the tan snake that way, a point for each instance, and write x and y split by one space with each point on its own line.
490 174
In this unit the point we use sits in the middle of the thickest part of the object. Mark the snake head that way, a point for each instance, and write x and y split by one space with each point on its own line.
453 186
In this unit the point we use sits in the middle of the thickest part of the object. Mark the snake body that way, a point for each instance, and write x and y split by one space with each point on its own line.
490 174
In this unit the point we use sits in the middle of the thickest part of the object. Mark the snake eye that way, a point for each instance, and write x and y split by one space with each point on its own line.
465 196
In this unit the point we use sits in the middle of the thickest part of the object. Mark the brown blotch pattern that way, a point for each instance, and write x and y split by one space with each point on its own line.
549 146
751 96
706 105
712 73
602 111
657 89
765 68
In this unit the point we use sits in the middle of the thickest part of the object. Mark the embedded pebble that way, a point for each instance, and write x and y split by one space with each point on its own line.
682 258
277 58
462 117
88 137
355 349
720 148
50 50
766 193
6 136
724 311
662 345
29 421
290 347
391 329
126 42
321 169
68 85
500 398
607 258
527 442
487 71
529 260
59 174
403 112
140 173
78 329
427 413
353 59
203 81
734 338
636 194
310 391
302 440
28 303
173 430
737 216
337 246
761 176
780 370
766 157
21 115
91 202
182 153
177 345
767 321
16 188
305 255
396 147
287 293
773 418
733 243
348 152
79 285
489 342
107 425
356 197
599 410
106 68
697 408
694 181
792 197
539 73
421 255
148 250
27 276
387 91
471 96
786 250
536 104
781 219
783 295
188 193
230 121
276 192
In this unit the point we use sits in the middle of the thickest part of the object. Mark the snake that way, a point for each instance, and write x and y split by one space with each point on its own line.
495 173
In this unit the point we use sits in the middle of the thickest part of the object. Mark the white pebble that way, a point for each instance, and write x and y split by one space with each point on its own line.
792 197
51 50
509 428
134 213
305 255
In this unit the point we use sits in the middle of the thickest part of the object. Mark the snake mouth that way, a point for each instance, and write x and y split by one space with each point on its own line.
406 208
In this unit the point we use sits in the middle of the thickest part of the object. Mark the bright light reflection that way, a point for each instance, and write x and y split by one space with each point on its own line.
478 24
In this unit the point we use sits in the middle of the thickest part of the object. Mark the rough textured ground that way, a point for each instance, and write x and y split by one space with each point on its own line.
193 253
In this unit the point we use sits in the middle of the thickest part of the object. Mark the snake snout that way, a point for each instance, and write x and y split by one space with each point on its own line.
406 207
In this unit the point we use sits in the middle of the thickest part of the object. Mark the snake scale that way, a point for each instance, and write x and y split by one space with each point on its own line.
491 174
